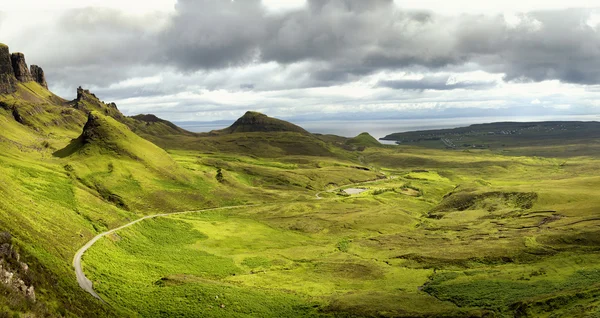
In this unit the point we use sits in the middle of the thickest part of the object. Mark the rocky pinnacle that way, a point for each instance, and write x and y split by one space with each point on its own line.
20 67
8 82
38 75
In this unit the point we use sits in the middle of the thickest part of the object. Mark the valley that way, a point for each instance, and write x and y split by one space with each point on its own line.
448 248
254 220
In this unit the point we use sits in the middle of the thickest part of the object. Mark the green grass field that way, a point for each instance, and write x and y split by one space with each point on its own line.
495 250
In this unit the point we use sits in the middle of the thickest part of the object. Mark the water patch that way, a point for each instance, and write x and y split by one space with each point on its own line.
355 190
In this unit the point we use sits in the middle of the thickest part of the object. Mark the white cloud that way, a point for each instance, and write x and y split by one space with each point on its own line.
493 6
286 88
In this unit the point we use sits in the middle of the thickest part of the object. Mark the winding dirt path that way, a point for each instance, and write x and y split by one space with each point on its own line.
86 284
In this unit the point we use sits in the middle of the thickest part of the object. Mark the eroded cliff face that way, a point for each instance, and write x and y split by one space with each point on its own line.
20 67
13 69
8 81
38 75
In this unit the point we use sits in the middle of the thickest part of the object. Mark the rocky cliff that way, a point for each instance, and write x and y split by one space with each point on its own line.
20 67
38 75
87 101
8 82
13 69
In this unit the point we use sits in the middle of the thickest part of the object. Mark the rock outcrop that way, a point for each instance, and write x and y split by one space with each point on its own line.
88 102
20 67
13 69
38 75
85 94
13 272
8 82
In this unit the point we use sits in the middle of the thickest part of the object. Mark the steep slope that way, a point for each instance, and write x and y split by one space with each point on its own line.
104 135
257 122
145 125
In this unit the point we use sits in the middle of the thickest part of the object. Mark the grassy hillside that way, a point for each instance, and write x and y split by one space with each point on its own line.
68 174
439 240
150 125
364 139
550 139
257 122
103 135
434 232
259 144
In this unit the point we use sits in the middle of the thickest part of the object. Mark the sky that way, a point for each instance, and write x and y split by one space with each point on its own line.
207 60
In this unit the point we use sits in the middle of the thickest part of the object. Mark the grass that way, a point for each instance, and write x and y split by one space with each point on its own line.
379 252
446 233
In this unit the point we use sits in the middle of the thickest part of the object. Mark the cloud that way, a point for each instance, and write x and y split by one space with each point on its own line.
216 56
342 39
348 38
439 82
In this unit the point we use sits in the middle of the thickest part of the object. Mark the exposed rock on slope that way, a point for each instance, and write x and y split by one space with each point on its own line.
88 102
8 82
14 272
257 122
38 75
20 67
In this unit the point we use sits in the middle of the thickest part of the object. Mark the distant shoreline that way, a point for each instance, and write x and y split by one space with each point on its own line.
380 128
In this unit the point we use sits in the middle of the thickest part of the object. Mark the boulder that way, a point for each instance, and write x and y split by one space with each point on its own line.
20 67
38 75
8 82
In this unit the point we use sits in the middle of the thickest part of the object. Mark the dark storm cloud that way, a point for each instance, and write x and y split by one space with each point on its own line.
545 45
434 83
342 40
213 34
356 38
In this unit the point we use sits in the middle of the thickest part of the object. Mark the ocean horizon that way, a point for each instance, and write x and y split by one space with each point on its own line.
380 128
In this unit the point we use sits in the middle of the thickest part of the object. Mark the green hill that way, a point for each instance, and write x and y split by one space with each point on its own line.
364 139
253 134
104 135
257 122
148 124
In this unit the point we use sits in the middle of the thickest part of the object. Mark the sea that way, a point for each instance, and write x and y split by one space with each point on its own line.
382 127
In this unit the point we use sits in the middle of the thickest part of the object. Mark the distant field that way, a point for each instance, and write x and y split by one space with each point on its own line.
448 234
551 139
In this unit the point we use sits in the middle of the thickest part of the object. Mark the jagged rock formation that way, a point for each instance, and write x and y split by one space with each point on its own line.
8 82
85 94
87 101
20 67
13 69
38 75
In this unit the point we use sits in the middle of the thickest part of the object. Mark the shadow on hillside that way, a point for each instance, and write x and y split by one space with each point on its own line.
70 149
